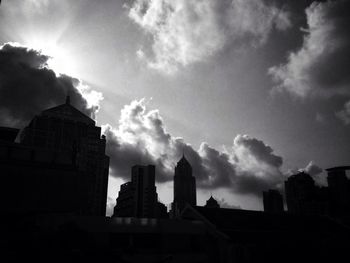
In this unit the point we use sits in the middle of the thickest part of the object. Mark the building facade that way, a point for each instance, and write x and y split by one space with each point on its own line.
339 190
66 129
36 180
139 197
304 197
273 201
184 185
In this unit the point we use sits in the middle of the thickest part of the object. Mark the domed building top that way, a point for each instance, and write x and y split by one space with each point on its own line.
212 203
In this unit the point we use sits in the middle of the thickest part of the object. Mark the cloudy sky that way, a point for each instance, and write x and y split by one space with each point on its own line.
250 90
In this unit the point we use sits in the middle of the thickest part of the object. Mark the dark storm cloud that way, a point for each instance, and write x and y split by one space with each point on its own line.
27 86
320 66
260 150
141 138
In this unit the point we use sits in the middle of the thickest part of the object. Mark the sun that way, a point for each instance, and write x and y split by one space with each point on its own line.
61 61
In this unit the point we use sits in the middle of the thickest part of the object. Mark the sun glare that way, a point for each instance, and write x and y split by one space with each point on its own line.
60 61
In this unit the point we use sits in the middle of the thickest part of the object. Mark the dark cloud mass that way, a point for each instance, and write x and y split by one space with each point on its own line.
249 167
28 86
321 66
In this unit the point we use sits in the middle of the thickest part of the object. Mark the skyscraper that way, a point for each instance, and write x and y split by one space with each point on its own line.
273 201
139 197
143 178
339 190
65 129
304 197
184 185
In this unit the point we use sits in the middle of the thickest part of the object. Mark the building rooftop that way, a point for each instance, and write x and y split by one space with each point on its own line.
230 221
67 111
8 134
338 168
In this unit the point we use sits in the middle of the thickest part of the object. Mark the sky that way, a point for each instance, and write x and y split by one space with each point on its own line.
252 91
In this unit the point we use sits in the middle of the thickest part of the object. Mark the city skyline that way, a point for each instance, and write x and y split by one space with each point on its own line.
250 103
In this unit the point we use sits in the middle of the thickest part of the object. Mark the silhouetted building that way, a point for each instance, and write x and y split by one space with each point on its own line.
212 203
161 210
143 178
339 190
36 180
138 198
255 236
184 185
63 133
8 134
304 197
125 201
273 201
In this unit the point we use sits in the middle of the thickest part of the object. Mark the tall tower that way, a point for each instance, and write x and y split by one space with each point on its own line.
184 185
143 178
139 197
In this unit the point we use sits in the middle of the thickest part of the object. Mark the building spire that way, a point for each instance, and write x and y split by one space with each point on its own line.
68 99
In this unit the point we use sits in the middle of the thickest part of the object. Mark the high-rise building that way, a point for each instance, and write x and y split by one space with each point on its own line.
125 206
273 201
143 178
139 198
65 129
304 197
339 190
184 185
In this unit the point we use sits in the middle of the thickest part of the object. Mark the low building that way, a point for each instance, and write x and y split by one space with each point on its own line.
256 236
212 203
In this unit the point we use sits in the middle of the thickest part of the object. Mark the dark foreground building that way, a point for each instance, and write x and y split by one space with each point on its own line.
59 165
199 235
255 236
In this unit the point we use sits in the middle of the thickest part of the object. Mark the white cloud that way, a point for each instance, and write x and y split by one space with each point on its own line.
189 31
141 137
